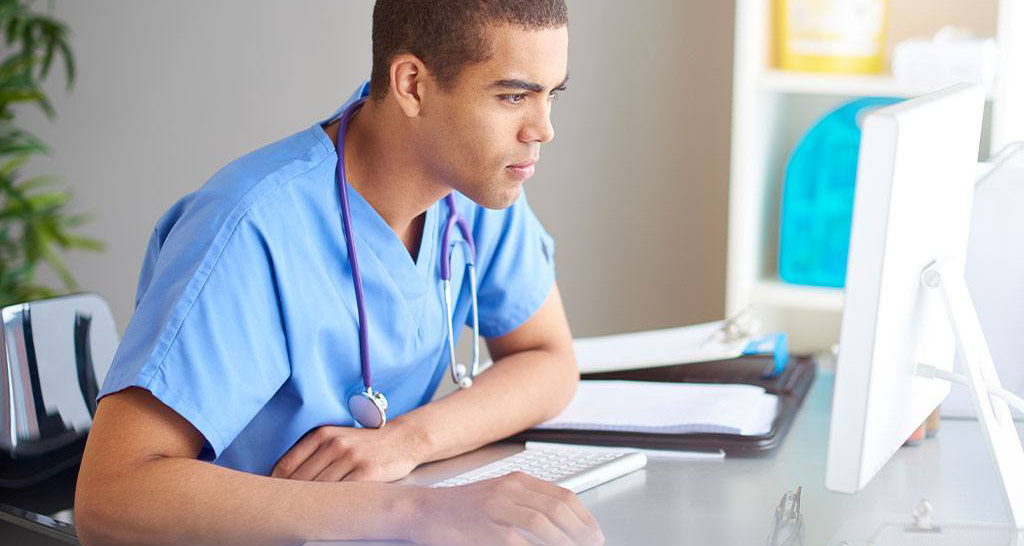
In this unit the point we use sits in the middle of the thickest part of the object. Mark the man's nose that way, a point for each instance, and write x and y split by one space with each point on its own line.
539 128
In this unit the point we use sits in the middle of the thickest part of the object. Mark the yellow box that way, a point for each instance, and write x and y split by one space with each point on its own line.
841 36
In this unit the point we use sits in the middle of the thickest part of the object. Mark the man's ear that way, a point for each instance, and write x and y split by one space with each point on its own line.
409 83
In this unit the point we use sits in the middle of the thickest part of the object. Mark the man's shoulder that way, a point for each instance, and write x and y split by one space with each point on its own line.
253 178
269 181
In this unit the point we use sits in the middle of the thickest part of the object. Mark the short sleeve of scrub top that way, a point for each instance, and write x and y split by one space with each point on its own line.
207 331
245 321
517 257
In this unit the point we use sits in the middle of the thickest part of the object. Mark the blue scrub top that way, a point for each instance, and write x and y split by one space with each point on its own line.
245 321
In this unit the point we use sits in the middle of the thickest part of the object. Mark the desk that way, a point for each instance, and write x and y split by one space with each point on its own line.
732 501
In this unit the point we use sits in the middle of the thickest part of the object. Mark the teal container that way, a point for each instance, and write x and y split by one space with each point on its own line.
817 197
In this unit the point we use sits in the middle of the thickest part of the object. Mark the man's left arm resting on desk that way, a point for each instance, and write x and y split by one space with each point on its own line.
533 378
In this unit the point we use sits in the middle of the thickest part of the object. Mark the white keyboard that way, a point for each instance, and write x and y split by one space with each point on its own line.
574 469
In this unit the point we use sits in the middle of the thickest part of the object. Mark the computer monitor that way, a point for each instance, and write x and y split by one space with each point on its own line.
906 306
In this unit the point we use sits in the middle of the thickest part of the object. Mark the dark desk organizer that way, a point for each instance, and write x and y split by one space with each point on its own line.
790 386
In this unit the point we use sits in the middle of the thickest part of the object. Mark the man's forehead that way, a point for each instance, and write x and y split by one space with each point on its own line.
536 57
516 80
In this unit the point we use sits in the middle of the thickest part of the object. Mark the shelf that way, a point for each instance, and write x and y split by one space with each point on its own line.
806 83
776 293
773 109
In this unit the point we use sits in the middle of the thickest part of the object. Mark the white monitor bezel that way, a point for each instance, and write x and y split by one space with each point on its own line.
915 184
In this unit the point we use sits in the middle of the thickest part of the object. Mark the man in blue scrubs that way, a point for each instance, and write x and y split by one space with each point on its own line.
224 416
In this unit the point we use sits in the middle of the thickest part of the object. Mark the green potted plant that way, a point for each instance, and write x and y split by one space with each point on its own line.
35 225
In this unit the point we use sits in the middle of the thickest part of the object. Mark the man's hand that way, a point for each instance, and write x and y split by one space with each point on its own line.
496 511
333 454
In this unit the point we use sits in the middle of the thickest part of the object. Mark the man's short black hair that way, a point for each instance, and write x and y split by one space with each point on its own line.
449 34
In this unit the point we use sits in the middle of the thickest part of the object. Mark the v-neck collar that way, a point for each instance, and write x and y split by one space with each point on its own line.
412 277
374 235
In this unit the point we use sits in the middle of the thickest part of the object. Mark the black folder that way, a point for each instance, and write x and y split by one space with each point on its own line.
790 386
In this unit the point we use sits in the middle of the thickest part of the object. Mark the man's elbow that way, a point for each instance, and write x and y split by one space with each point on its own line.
100 511
568 381
93 523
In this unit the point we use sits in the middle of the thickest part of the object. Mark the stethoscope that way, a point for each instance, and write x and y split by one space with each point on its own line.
369 407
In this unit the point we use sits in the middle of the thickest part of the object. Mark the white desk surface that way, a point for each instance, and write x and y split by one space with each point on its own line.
732 501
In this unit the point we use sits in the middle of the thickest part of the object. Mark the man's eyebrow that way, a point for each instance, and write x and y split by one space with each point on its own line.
528 86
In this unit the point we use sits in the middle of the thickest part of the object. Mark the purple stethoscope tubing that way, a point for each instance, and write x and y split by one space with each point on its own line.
357 279
454 220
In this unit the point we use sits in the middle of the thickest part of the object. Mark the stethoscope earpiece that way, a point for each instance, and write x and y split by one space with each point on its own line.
464 381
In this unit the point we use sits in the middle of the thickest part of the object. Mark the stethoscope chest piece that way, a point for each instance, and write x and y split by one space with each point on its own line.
369 408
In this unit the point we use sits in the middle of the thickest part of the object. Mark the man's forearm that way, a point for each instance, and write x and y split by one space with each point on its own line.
185 501
515 393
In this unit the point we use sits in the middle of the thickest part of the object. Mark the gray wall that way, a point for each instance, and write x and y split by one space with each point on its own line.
633 187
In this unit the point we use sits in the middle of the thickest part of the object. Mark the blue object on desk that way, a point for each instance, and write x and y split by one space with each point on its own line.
817 197
778 345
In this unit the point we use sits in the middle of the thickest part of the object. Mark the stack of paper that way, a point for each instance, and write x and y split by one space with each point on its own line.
698 343
669 408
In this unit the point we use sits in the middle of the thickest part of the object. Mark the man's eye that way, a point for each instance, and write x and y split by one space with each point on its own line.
514 99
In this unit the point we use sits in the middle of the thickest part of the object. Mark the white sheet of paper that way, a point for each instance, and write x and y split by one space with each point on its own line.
670 408
655 348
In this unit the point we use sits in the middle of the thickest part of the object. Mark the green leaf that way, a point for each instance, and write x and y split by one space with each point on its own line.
75 220
35 182
9 94
44 70
35 228
31 243
13 164
82 242
11 31
57 264
18 141
14 65
43 201
69 62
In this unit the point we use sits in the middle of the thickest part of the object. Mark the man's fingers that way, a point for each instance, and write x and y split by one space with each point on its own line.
569 499
356 474
565 518
336 471
315 463
535 523
290 461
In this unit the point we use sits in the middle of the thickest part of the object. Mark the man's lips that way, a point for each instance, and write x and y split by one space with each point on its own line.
522 170
523 165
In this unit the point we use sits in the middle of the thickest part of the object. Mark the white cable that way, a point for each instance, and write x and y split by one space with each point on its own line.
931 372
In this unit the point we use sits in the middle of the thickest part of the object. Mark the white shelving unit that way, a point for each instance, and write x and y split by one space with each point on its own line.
772 109
781 81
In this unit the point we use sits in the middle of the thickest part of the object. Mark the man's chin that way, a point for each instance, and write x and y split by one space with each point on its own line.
498 199
506 198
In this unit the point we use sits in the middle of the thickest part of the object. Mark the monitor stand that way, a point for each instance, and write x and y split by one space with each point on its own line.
996 421
993 413
918 529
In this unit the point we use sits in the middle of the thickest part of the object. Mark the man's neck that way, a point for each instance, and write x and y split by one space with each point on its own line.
386 171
